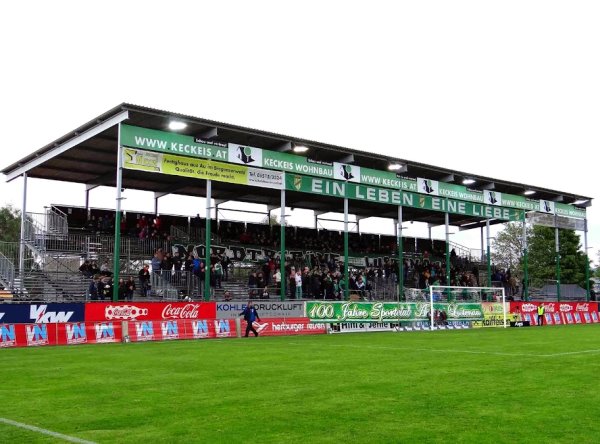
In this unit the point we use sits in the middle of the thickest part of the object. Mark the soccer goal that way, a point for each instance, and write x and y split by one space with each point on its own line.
456 304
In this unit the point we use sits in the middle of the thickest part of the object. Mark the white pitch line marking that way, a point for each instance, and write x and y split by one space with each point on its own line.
475 352
44 431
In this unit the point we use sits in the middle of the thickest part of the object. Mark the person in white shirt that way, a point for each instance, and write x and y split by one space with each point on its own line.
298 285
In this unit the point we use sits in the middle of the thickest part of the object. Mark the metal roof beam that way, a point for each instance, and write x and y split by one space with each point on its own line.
208 133
61 148
283 147
102 180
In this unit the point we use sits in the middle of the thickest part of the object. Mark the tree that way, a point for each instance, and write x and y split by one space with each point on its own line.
10 224
542 257
507 248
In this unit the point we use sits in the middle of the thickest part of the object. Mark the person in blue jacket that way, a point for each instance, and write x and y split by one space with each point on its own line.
250 315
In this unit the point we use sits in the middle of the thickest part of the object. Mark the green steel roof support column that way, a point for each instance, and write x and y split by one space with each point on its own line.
525 282
282 245
448 280
117 251
557 248
207 242
400 257
587 261
489 258
346 254
22 240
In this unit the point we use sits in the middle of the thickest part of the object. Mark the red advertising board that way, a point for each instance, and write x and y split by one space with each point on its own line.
557 313
149 311
140 331
286 327
35 335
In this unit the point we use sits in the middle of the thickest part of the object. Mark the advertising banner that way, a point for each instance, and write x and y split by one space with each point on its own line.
286 327
493 315
149 311
41 313
232 310
388 312
34 335
306 184
556 313
180 144
200 169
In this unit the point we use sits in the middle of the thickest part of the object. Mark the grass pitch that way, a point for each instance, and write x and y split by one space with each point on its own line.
488 385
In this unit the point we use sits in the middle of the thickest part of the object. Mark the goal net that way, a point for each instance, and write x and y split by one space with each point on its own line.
457 304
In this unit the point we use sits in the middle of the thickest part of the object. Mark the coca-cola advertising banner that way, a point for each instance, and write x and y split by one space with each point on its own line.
286 327
34 335
149 311
556 313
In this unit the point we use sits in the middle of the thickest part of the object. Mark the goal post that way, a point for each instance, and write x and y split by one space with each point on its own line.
463 303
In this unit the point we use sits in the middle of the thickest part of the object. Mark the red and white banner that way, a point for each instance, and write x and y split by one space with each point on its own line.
35 335
149 311
557 313
140 331
286 327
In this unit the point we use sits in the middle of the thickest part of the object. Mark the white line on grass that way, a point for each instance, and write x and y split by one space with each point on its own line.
44 431
572 353
474 352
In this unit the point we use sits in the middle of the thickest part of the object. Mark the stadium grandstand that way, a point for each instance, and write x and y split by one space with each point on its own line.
70 253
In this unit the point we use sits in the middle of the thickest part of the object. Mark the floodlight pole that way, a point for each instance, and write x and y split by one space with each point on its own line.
557 249
117 251
282 245
400 257
489 259
346 266
587 261
22 243
207 242
525 261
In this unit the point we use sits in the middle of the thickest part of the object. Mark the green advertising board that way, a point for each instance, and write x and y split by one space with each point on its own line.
307 184
320 311
180 144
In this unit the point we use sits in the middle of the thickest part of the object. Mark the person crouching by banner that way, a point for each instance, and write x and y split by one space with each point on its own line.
541 311
250 315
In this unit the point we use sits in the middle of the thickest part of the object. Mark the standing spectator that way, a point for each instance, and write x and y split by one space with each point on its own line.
122 289
225 262
93 288
250 315
155 264
144 276
292 283
218 274
104 269
277 279
130 288
298 281
540 313
252 284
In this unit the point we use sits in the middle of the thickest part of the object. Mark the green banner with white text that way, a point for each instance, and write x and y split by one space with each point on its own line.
307 184
180 144
320 311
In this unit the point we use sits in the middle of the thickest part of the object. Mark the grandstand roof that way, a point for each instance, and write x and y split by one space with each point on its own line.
88 155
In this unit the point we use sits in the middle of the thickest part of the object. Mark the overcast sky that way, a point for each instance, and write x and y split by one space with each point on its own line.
505 89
